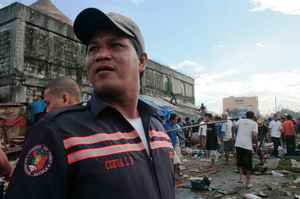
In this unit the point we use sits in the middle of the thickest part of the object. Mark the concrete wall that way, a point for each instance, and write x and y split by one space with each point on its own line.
35 48
249 103
160 80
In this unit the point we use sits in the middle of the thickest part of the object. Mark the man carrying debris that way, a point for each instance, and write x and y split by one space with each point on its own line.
115 146
247 131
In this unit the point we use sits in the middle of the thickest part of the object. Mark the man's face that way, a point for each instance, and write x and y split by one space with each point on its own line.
112 63
53 101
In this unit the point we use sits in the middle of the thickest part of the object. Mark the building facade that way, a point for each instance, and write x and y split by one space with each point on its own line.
237 106
37 44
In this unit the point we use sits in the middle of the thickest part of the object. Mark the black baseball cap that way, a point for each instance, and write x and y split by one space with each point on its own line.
91 20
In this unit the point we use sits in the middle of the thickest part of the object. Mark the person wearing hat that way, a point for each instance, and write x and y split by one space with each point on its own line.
112 147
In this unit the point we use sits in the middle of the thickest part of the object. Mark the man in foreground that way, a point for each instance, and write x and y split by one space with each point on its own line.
114 147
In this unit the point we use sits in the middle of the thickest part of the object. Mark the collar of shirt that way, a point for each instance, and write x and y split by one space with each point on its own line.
97 105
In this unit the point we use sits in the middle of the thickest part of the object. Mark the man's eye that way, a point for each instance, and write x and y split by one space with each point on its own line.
92 49
116 45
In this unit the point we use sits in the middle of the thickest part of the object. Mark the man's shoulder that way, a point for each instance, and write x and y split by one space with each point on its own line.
66 111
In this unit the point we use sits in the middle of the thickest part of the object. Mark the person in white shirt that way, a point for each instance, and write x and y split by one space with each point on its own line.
228 136
247 131
275 132
202 133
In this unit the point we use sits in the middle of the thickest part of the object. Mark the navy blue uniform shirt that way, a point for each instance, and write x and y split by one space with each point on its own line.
92 152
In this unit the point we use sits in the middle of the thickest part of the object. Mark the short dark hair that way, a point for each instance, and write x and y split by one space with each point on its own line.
250 115
208 115
64 84
173 116
289 117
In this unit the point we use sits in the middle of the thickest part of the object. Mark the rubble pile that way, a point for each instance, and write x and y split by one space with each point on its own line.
276 178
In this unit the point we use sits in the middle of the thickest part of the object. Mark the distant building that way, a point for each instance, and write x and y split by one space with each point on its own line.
238 106
162 81
37 44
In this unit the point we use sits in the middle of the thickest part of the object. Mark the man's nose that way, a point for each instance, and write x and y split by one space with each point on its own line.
103 53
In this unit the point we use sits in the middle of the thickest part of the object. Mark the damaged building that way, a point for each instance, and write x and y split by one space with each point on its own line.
37 44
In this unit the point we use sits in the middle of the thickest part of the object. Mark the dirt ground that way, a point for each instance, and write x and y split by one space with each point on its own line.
225 181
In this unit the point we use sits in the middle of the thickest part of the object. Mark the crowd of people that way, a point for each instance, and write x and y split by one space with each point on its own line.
221 136
115 145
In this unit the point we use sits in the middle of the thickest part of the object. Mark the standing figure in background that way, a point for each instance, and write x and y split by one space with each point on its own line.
263 131
61 92
202 134
187 131
275 132
171 129
38 108
211 140
247 131
297 127
227 129
288 131
180 132
220 133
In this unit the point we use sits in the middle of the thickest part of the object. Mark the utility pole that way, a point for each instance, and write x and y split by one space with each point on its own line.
275 104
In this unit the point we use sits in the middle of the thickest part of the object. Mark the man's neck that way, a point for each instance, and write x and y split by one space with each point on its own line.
126 105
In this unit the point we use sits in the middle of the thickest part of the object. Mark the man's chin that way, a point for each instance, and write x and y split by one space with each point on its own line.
108 91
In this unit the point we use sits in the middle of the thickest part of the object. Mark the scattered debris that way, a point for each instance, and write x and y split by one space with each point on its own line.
297 196
295 164
297 181
262 194
272 163
201 183
287 193
274 173
251 196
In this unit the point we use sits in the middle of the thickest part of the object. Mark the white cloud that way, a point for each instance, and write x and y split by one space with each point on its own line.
136 2
189 68
1 6
213 87
260 45
289 7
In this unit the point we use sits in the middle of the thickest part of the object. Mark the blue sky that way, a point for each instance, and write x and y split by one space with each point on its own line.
230 47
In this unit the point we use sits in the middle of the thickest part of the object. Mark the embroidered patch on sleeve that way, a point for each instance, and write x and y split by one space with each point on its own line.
38 161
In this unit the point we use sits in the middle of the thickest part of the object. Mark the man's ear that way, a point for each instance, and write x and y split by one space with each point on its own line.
143 60
66 98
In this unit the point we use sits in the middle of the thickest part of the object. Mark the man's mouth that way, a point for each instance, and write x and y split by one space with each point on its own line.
104 69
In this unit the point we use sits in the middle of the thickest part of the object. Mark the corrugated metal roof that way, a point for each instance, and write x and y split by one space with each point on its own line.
177 108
